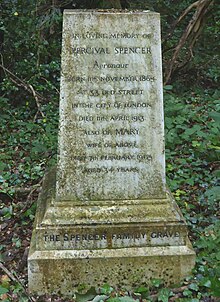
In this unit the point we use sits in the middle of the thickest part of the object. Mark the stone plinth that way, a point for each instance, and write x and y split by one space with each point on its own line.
105 214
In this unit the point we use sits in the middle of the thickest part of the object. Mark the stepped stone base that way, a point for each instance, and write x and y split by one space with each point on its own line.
66 272
122 243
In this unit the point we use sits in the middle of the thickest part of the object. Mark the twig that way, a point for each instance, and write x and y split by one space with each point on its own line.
21 190
10 275
179 289
174 298
186 11
21 83
116 4
29 202
176 291
36 100
15 279
57 91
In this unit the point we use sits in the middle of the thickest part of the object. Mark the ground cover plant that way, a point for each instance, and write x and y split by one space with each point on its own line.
29 97
192 127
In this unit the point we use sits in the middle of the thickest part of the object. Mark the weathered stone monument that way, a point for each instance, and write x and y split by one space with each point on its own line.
105 214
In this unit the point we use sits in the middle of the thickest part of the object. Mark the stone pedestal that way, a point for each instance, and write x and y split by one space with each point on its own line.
105 214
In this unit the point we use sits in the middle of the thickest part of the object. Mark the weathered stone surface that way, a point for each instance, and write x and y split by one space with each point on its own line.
104 214
111 140
66 257
67 271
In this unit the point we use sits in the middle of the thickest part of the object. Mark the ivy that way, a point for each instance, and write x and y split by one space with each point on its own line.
30 33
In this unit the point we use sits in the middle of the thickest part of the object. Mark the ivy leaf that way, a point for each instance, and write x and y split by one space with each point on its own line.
106 289
168 87
215 116
156 282
215 287
87 296
194 286
164 295
126 299
3 290
187 293
206 282
100 298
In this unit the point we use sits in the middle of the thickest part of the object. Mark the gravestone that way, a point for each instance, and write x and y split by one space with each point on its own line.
105 214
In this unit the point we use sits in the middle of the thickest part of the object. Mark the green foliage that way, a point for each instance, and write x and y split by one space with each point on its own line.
31 36
31 49
106 289
192 125
11 291
89 295
27 146
192 131
209 258
191 141
164 294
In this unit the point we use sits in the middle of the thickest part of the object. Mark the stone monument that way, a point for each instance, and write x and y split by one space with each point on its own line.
105 214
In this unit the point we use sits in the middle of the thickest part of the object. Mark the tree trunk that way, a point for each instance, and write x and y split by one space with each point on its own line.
190 35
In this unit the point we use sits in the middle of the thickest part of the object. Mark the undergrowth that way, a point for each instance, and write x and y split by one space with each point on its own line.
28 147
30 61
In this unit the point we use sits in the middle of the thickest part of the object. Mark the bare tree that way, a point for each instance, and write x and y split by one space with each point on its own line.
189 36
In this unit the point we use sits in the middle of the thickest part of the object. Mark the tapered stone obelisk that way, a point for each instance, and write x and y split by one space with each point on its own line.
105 214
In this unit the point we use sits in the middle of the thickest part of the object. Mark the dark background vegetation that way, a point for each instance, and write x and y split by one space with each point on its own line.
30 37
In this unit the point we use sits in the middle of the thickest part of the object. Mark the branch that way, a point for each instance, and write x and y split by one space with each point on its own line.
57 91
10 275
193 30
186 11
116 4
15 279
19 82
24 190
176 291
29 202
36 100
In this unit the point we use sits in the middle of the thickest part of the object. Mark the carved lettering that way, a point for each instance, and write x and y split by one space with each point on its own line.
124 238
111 112
132 50
90 50
123 131
109 65
165 234
99 35
110 78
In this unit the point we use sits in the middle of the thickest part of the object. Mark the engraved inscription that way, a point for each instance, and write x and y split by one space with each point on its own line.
111 127
117 239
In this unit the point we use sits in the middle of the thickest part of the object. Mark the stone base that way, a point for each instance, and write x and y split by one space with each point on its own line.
124 245
66 272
